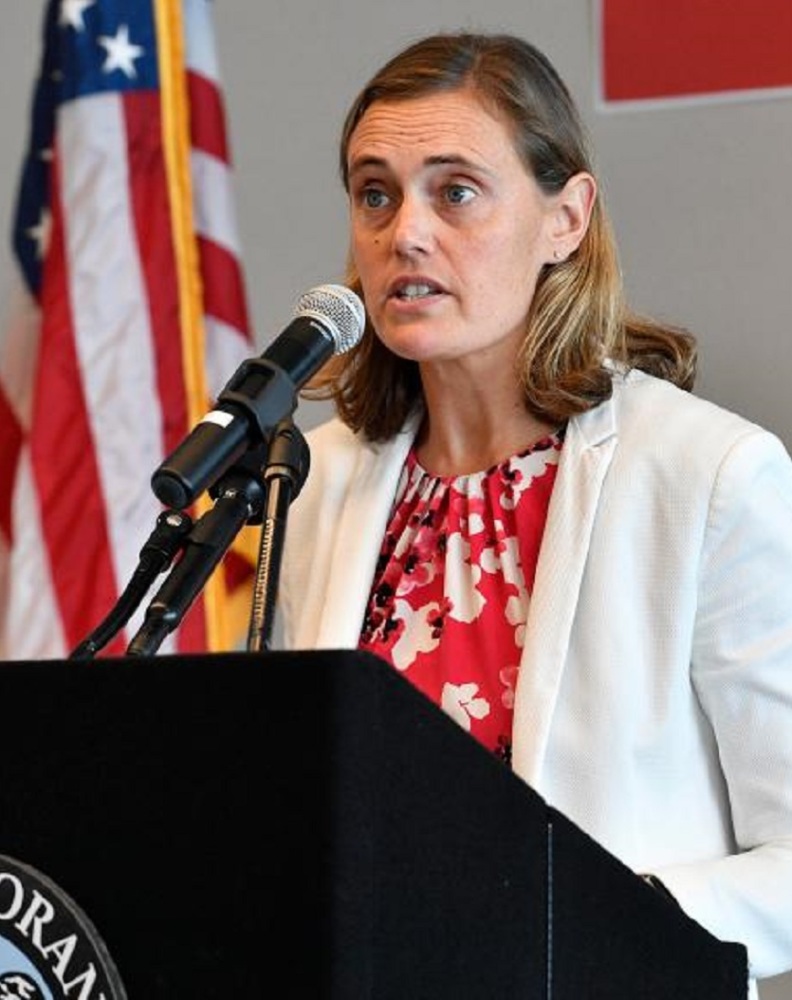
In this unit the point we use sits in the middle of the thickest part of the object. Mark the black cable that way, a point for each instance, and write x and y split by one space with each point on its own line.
163 544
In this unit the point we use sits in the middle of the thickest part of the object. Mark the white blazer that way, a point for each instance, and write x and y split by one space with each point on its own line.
654 699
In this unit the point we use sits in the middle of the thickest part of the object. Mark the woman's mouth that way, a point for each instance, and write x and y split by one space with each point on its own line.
415 292
412 291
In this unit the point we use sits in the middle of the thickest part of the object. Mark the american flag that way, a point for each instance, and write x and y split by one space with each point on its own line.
130 315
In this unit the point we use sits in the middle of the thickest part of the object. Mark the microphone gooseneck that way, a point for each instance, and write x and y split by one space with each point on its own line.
328 320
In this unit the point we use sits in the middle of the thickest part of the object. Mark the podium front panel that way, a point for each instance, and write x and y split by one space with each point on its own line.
308 822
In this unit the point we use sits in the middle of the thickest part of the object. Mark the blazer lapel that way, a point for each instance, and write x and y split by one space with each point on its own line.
588 449
360 529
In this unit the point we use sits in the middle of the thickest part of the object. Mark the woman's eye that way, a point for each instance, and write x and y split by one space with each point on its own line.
373 198
459 194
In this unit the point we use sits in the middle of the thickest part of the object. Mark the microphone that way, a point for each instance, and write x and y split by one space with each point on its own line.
328 320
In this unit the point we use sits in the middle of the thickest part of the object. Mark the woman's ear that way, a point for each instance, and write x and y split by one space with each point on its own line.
570 215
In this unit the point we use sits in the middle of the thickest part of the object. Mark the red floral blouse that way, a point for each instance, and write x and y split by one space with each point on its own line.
450 596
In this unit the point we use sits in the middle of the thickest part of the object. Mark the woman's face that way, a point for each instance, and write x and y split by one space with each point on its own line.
449 229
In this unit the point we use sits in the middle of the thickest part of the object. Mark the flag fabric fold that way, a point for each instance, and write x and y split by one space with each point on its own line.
129 317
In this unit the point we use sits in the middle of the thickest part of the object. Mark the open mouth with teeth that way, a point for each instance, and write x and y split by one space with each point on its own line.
416 291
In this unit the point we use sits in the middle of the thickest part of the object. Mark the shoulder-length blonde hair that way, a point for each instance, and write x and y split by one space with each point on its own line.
578 317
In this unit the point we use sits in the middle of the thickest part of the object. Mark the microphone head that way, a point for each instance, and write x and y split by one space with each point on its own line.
338 310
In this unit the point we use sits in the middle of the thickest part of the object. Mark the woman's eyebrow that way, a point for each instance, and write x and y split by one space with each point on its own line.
435 160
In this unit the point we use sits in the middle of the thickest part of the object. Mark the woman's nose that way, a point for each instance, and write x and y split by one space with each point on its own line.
413 230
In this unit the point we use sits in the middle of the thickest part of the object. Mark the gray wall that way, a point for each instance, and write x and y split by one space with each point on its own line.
699 194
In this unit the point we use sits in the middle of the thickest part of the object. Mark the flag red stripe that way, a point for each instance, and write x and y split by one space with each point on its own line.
237 569
224 292
677 48
207 121
191 637
152 221
10 445
63 458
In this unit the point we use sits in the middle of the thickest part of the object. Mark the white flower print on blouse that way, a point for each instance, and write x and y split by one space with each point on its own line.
450 598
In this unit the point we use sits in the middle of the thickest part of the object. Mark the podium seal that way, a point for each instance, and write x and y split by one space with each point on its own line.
49 949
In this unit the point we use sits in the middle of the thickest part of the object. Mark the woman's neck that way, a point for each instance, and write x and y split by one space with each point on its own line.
470 430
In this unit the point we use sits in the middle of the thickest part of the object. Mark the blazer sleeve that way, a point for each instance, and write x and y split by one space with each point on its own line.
742 674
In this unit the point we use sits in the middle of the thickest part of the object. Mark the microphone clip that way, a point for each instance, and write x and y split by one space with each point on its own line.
263 391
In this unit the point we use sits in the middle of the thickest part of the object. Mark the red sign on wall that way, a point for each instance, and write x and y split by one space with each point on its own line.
659 49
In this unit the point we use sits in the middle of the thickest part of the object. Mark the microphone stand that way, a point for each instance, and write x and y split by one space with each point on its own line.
257 490
239 498
285 471
251 492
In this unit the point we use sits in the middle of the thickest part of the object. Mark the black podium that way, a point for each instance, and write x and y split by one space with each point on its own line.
309 825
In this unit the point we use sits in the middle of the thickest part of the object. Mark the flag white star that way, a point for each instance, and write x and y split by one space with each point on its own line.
40 233
121 53
71 12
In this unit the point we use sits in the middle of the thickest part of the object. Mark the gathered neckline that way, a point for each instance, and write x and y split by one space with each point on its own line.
551 440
